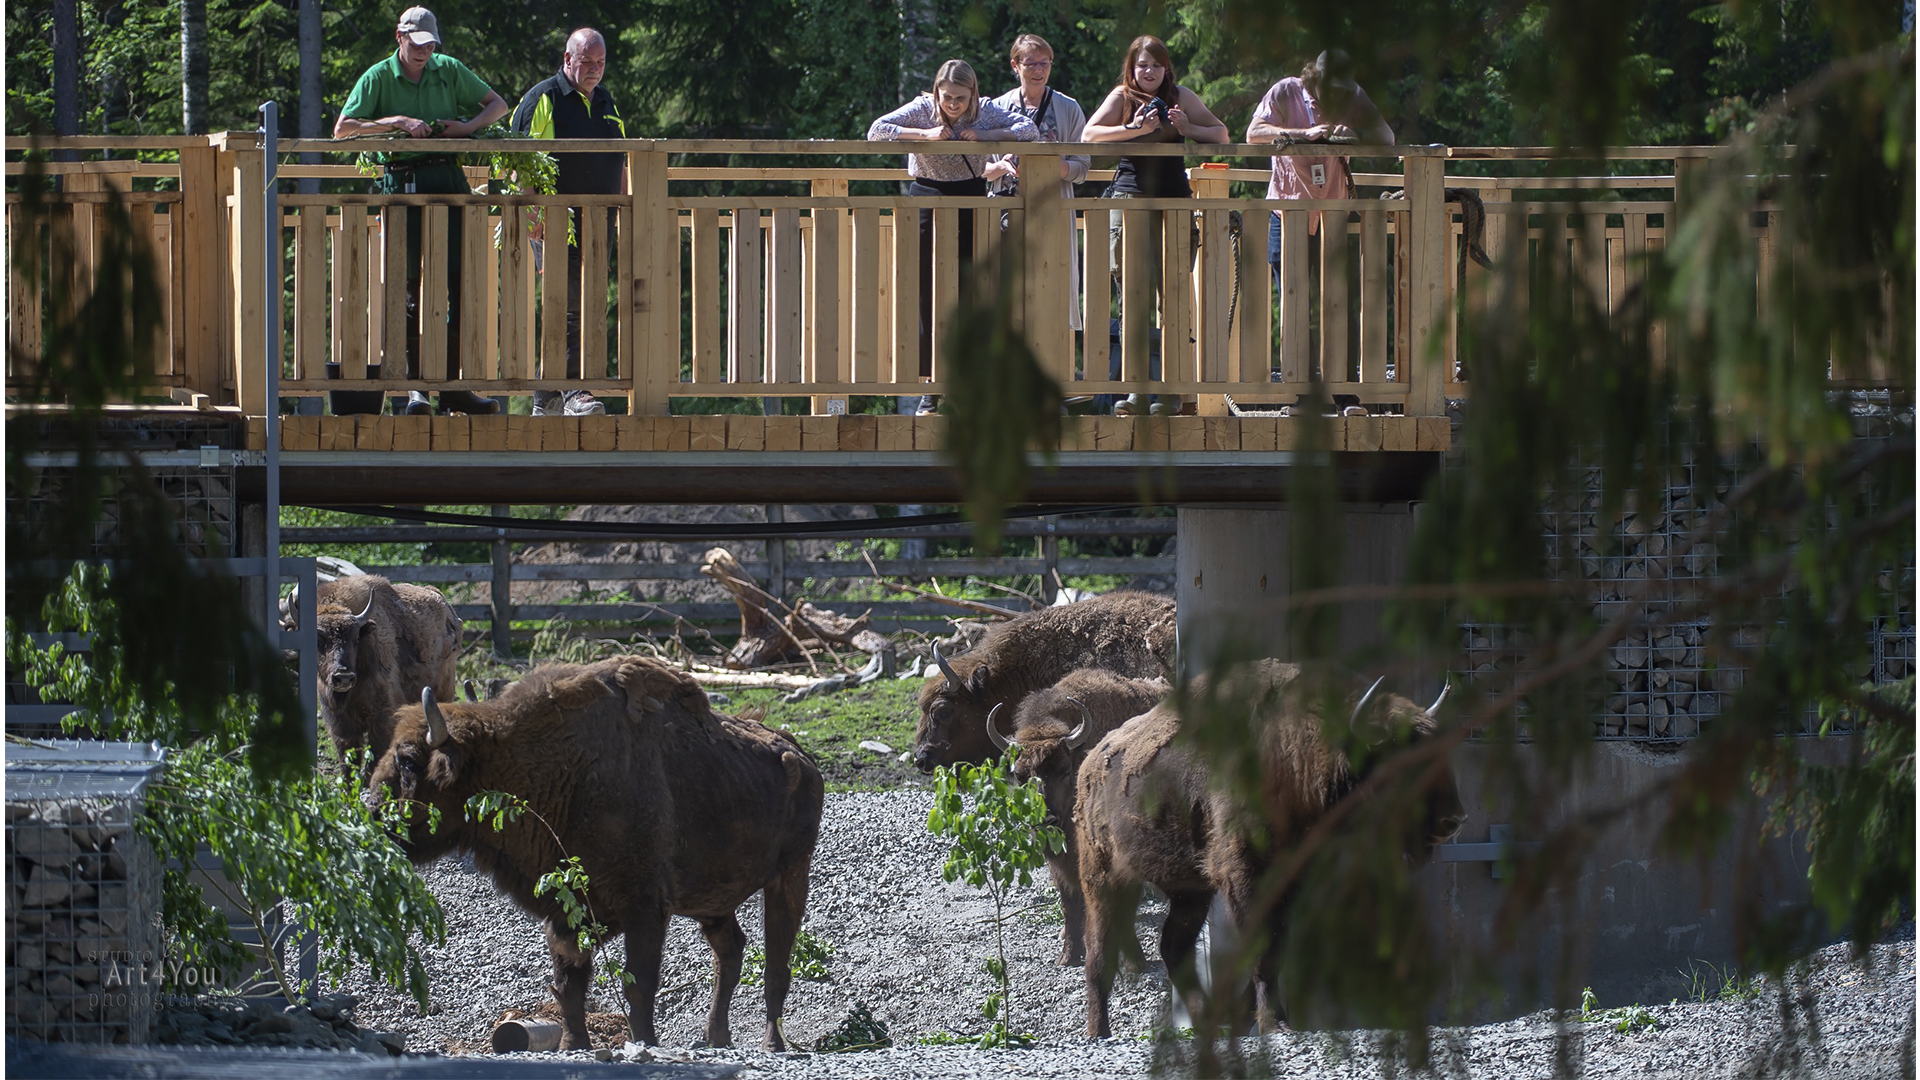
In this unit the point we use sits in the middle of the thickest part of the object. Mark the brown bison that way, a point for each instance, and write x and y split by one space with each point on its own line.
1127 633
1054 728
1149 811
671 808
379 645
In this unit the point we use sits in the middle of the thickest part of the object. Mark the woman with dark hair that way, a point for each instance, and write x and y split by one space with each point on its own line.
951 111
1149 105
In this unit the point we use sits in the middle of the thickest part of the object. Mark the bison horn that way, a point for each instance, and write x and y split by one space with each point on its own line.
993 729
1445 689
436 723
1078 734
947 670
365 611
1364 698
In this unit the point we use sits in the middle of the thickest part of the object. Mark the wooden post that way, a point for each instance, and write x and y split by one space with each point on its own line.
777 555
707 359
351 303
553 294
1047 290
248 255
1295 365
1375 275
310 293
1427 217
826 313
502 591
654 317
745 264
784 298
866 299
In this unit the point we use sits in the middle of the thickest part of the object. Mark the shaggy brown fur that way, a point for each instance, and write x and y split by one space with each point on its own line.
368 668
672 809
1128 633
1040 729
1148 811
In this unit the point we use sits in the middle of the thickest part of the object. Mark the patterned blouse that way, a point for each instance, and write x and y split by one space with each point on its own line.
923 112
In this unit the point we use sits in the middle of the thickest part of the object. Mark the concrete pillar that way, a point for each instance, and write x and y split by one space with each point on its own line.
1236 571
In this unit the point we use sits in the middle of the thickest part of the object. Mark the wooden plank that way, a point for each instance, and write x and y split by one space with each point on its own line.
1595 269
412 434
1137 247
1176 297
393 237
299 433
24 296
708 363
151 354
865 298
1096 264
1428 317
859 432
1149 432
1047 239
783 433
654 295
746 433
1294 361
906 296
593 294
433 294
488 432
1258 433
622 343
1334 309
1254 361
351 292
1076 432
553 300
197 237
632 432
310 293
946 279
494 306
883 299
597 433
1375 271
516 292
745 264
1402 336
373 433
1221 433
893 433
1112 432
477 307
826 349
784 299
1214 296
1186 432
522 434
251 273
1432 433
929 432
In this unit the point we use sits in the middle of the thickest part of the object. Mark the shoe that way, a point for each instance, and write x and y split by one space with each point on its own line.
418 405
453 401
581 403
1131 405
929 405
546 403
1164 408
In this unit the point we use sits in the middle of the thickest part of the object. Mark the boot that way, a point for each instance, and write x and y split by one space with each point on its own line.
452 401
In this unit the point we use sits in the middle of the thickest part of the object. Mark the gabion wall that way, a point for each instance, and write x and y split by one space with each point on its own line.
83 903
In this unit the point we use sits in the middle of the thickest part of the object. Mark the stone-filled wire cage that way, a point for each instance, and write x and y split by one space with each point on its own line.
1668 679
83 914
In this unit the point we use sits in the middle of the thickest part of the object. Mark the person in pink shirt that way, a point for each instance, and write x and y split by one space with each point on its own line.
1321 104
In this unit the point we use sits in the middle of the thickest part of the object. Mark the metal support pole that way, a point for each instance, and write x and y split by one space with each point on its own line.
269 143
1050 551
777 556
502 590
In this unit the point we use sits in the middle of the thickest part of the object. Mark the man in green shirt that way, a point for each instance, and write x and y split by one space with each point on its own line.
425 95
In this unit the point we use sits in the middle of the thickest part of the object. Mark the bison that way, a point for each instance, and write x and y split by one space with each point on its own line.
1127 633
1053 729
670 807
379 645
1149 811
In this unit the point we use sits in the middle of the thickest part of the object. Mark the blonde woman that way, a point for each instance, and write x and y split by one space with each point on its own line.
951 112
1059 118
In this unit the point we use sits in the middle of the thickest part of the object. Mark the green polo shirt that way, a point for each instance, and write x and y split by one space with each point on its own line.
447 90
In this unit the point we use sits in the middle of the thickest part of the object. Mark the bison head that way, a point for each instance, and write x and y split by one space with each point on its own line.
424 766
953 715
1444 813
341 636
1048 743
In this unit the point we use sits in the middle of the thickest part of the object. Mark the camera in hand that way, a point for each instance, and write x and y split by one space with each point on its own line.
1158 108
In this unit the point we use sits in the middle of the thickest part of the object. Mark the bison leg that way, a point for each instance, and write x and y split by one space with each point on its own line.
646 938
785 905
572 974
729 945
1073 934
1186 914
1109 922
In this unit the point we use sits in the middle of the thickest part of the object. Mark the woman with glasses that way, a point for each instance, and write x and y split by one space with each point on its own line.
1150 106
1059 118
951 112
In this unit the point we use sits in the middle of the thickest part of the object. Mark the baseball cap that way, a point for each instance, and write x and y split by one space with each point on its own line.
420 26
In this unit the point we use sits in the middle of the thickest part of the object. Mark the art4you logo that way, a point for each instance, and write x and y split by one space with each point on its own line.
124 970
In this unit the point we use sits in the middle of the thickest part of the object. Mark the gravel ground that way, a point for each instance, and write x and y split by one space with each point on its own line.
910 947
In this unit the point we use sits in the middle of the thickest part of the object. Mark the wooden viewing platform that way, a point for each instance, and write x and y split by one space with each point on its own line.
697 294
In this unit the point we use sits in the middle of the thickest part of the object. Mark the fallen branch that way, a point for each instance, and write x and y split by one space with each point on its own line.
966 605
751 680
1028 597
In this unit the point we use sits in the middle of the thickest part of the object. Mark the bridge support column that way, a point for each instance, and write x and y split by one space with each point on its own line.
1236 575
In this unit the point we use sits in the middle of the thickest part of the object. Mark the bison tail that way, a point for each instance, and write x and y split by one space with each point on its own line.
796 767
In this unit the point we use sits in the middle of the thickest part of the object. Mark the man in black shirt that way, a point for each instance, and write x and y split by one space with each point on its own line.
574 105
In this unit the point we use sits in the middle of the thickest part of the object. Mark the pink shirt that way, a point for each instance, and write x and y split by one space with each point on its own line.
1288 106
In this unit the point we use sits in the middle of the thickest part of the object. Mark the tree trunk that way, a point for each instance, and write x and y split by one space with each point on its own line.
312 88
66 67
193 66
113 104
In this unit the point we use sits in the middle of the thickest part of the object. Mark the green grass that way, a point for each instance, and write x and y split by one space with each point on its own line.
832 727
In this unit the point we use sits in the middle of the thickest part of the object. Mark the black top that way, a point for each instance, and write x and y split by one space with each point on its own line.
1153 177
568 115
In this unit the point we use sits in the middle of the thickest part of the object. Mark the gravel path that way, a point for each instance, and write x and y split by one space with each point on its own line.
910 947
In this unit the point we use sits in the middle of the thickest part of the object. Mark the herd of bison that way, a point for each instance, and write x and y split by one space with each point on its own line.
676 809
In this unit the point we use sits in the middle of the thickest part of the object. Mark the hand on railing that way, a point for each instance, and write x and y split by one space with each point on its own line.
536 223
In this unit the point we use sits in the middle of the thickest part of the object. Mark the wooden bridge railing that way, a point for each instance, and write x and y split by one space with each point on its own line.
817 295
